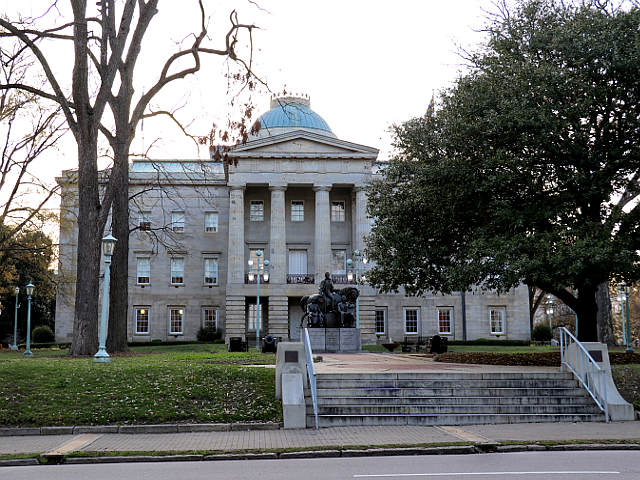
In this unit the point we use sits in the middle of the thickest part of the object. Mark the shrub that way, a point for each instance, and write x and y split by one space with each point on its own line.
219 340
209 334
42 334
541 333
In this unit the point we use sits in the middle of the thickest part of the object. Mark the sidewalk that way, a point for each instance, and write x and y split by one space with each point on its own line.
270 442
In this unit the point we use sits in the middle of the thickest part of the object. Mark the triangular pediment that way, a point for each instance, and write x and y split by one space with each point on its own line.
303 144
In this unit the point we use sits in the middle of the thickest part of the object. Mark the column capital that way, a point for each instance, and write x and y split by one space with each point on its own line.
357 188
322 188
237 187
278 187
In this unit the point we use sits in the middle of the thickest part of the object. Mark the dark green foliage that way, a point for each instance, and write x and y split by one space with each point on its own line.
209 334
528 171
42 334
491 342
541 333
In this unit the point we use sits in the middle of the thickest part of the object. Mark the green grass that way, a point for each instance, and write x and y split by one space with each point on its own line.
627 379
161 385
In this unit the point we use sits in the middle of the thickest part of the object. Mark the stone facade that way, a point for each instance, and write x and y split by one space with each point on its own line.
296 193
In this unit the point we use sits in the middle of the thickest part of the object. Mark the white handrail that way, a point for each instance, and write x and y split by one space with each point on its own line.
311 371
578 360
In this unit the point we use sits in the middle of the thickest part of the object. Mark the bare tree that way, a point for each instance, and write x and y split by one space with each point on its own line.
107 47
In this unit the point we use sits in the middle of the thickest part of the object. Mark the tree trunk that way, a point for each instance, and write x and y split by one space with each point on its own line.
119 285
587 312
605 326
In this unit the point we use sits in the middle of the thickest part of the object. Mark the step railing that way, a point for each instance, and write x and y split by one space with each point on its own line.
577 359
311 371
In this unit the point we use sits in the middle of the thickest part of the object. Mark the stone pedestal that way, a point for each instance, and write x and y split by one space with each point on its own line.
335 339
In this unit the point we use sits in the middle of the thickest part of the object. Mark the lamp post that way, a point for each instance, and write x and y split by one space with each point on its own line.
357 273
108 244
626 289
550 312
15 323
265 276
27 352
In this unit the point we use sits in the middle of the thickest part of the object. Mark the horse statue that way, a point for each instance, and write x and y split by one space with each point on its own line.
330 308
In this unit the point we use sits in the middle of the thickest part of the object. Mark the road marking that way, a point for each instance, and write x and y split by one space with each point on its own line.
455 474
467 436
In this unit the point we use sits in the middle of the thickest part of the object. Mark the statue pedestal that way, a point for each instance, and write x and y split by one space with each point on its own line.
335 339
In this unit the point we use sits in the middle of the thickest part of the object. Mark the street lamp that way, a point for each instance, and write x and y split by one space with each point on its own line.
265 277
626 290
550 312
108 244
15 323
357 273
27 352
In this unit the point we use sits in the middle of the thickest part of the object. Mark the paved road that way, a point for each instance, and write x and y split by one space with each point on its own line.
529 466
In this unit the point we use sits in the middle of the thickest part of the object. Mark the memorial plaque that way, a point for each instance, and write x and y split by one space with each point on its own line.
316 337
596 355
349 338
333 338
291 356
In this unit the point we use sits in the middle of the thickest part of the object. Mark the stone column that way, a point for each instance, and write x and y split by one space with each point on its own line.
235 273
277 239
322 242
361 221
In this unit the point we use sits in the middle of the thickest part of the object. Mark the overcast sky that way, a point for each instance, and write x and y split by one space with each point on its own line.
365 64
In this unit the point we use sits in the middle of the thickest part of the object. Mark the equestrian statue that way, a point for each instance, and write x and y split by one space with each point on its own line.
330 308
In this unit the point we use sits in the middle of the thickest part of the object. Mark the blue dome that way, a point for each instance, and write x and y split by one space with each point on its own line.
292 113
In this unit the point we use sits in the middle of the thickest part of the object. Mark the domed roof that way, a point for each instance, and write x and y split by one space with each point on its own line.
290 113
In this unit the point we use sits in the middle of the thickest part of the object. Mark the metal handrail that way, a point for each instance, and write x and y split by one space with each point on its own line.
311 371
590 375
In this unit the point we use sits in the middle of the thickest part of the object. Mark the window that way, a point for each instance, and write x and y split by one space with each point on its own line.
209 317
411 320
144 220
176 315
251 317
211 271
257 211
338 262
337 211
144 270
298 262
297 211
177 271
142 320
496 317
211 222
177 222
445 316
381 322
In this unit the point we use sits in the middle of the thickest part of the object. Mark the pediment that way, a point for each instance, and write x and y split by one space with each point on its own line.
303 144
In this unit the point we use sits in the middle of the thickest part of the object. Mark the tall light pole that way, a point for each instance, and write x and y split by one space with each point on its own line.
27 352
108 244
265 276
15 323
626 289
550 312
357 273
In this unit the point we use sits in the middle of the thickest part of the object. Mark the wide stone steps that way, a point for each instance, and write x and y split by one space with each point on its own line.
450 399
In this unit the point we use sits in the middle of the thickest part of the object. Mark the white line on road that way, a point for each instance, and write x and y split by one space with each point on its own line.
452 474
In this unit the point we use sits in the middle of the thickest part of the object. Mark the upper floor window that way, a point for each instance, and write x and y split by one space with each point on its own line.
144 220
177 222
337 211
297 210
445 316
339 262
177 271
211 271
497 319
257 211
143 270
211 222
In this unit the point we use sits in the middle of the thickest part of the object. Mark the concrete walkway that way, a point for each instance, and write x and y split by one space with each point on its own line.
335 441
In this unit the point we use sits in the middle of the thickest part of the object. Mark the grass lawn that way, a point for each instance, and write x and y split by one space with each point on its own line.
158 384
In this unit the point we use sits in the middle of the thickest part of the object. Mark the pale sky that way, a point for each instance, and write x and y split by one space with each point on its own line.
365 64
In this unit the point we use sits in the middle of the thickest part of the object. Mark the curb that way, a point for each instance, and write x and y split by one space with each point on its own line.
140 429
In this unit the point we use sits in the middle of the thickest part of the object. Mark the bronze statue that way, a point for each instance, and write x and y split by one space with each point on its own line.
330 308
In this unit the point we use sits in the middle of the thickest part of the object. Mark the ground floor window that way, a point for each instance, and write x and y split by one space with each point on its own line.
445 316
411 320
142 320
497 320
176 316
210 317
252 317
381 321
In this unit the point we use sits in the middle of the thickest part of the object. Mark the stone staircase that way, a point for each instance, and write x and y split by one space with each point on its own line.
450 399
